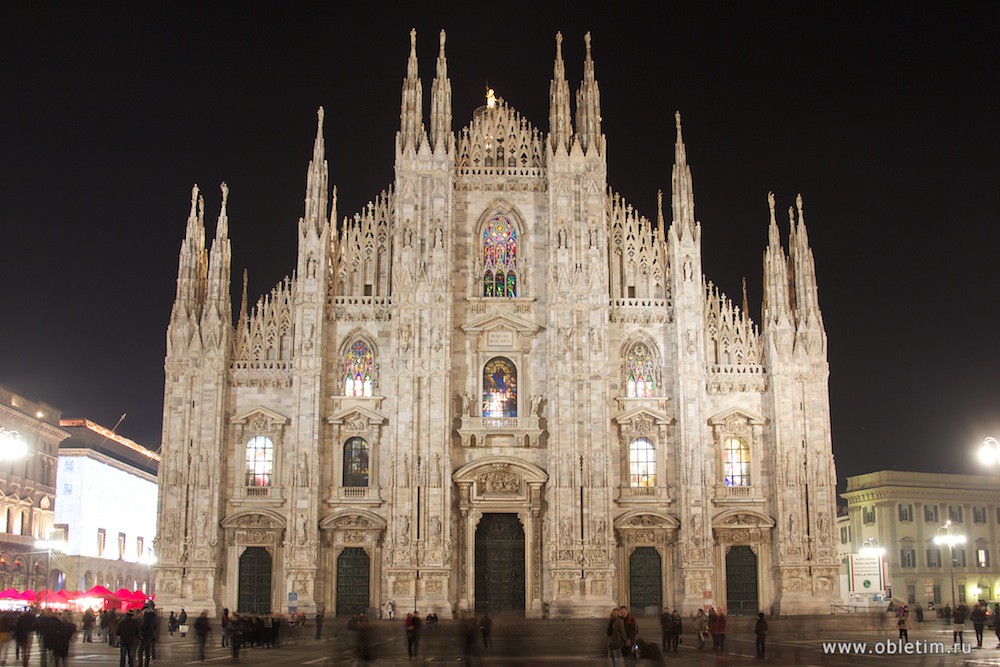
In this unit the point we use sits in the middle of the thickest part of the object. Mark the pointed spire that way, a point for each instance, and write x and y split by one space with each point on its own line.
222 224
773 235
441 103
588 106
659 213
682 188
243 300
411 122
803 272
191 264
776 305
317 181
746 302
560 120
218 286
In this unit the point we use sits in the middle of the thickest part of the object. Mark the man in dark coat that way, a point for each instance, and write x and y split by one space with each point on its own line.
201 632
26 624
147 635
760 631
631 631
127 632
676 628
665 626
48 628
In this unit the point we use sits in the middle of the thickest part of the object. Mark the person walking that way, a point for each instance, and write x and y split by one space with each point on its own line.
412 627
903 623
631 631
147 635
224 627
918 611
202 628
958 617
978 618
947 614
88 625
676 628
618 642
713 616
486 627
665 626
760 632
182 622
720 631
24 627
127 632
319 624
701 627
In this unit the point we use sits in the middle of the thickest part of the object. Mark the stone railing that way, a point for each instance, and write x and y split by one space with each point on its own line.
360 308
737 494
647 311
516 431
728 378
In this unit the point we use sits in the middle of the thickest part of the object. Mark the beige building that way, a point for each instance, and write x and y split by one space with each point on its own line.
904 511
497 386
27 491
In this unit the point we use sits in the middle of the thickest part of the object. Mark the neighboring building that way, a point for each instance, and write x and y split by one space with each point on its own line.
106 509
497 385
27 491
904 511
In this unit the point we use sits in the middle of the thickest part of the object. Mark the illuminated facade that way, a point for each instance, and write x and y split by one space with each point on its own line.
497 386
106 508
27 490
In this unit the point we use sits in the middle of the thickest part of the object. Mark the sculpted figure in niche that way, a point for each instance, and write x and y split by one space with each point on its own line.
436 472
466 404
536 405
303 534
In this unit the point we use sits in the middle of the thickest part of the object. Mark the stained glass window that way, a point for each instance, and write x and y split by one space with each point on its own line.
736 462
260 461
359 370
639 381
641 463
356 462
499 258
499 388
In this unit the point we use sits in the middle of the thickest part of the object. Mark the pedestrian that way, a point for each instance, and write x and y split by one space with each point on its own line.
48 628
470 630
319 623
665 628
918 611
224 627
23 629
61 640
182 622
947 614
720 631
202 628
676 628
617 639
701 627
147 634
7 620
760 632
713 616
903 623
996 622
88 625
412 627
958 617
978 618
486 627
237 632
392 610
172 624
631 631
127 634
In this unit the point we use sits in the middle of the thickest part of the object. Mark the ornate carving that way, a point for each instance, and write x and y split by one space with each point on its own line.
499 481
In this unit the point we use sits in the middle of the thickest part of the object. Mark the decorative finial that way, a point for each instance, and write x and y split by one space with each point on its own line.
491 100
442 38
791 217
225 194
413 41
559 45
770 202
319 115
677 121
798 203
586 40
194 198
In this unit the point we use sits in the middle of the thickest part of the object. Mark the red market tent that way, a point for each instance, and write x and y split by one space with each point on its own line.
98 592
28 595
66 595
10 594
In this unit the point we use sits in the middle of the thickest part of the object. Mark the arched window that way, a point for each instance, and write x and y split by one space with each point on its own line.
260 461
356 462
641 463
736 462
499 257
359 370
639 378
499 388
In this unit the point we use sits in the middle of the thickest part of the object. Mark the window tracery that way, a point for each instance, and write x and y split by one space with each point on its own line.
259 461
359 370
736 462
642 463
499 258
499 388
356 462
639 376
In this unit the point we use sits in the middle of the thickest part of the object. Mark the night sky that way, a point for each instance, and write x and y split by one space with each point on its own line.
884 115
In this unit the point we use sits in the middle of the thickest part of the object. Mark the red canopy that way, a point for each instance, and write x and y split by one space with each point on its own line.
10 594
66 595
28 595
98 592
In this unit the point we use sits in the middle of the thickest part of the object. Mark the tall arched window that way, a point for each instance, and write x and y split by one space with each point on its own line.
260 461
499 257
639 378
499 388
641 463
356 462
359 370
736 462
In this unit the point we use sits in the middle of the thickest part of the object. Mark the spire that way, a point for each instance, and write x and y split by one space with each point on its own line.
411 122
746 302
803 272
560 121
659 213
244 310
776 306
217 292
317 180
441 103
588 106
682 186
190 278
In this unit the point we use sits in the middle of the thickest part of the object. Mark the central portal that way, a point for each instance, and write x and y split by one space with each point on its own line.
741 581
499 564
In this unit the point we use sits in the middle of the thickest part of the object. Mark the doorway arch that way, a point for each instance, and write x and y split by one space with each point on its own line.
500 570
255 581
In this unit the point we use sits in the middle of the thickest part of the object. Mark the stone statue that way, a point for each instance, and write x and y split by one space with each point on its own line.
536 404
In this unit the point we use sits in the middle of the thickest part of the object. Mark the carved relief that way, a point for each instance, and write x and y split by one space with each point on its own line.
499 481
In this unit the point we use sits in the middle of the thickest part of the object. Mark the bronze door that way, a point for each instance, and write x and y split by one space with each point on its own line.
255 581
741 581
645 580
499 564
353 578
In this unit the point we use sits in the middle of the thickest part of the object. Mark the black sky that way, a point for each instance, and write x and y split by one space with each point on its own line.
884 115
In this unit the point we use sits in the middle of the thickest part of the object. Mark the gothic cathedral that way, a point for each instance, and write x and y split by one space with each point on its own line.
497 386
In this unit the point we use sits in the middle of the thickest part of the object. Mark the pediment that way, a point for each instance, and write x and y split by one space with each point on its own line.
742 518
471 471
501 321
352 520
640 519
643 414
269 417
262 519
736 415
356 414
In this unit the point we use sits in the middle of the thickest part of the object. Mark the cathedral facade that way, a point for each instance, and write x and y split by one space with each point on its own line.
496 387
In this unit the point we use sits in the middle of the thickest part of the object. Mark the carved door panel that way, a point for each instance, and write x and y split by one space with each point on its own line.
741 581
645 581
255 581
353 578
499 564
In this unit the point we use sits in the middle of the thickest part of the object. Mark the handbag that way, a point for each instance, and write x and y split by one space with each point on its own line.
183 628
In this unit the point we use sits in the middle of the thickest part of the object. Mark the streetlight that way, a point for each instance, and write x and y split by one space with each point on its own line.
946 535
870 547
989 453
149 560
12 445
49 546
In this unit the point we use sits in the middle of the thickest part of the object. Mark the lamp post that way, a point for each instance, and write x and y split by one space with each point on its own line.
870 547
49 546
12 445
989 452
946 535
149 560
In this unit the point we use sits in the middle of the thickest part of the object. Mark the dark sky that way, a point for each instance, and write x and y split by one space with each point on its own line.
884 115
